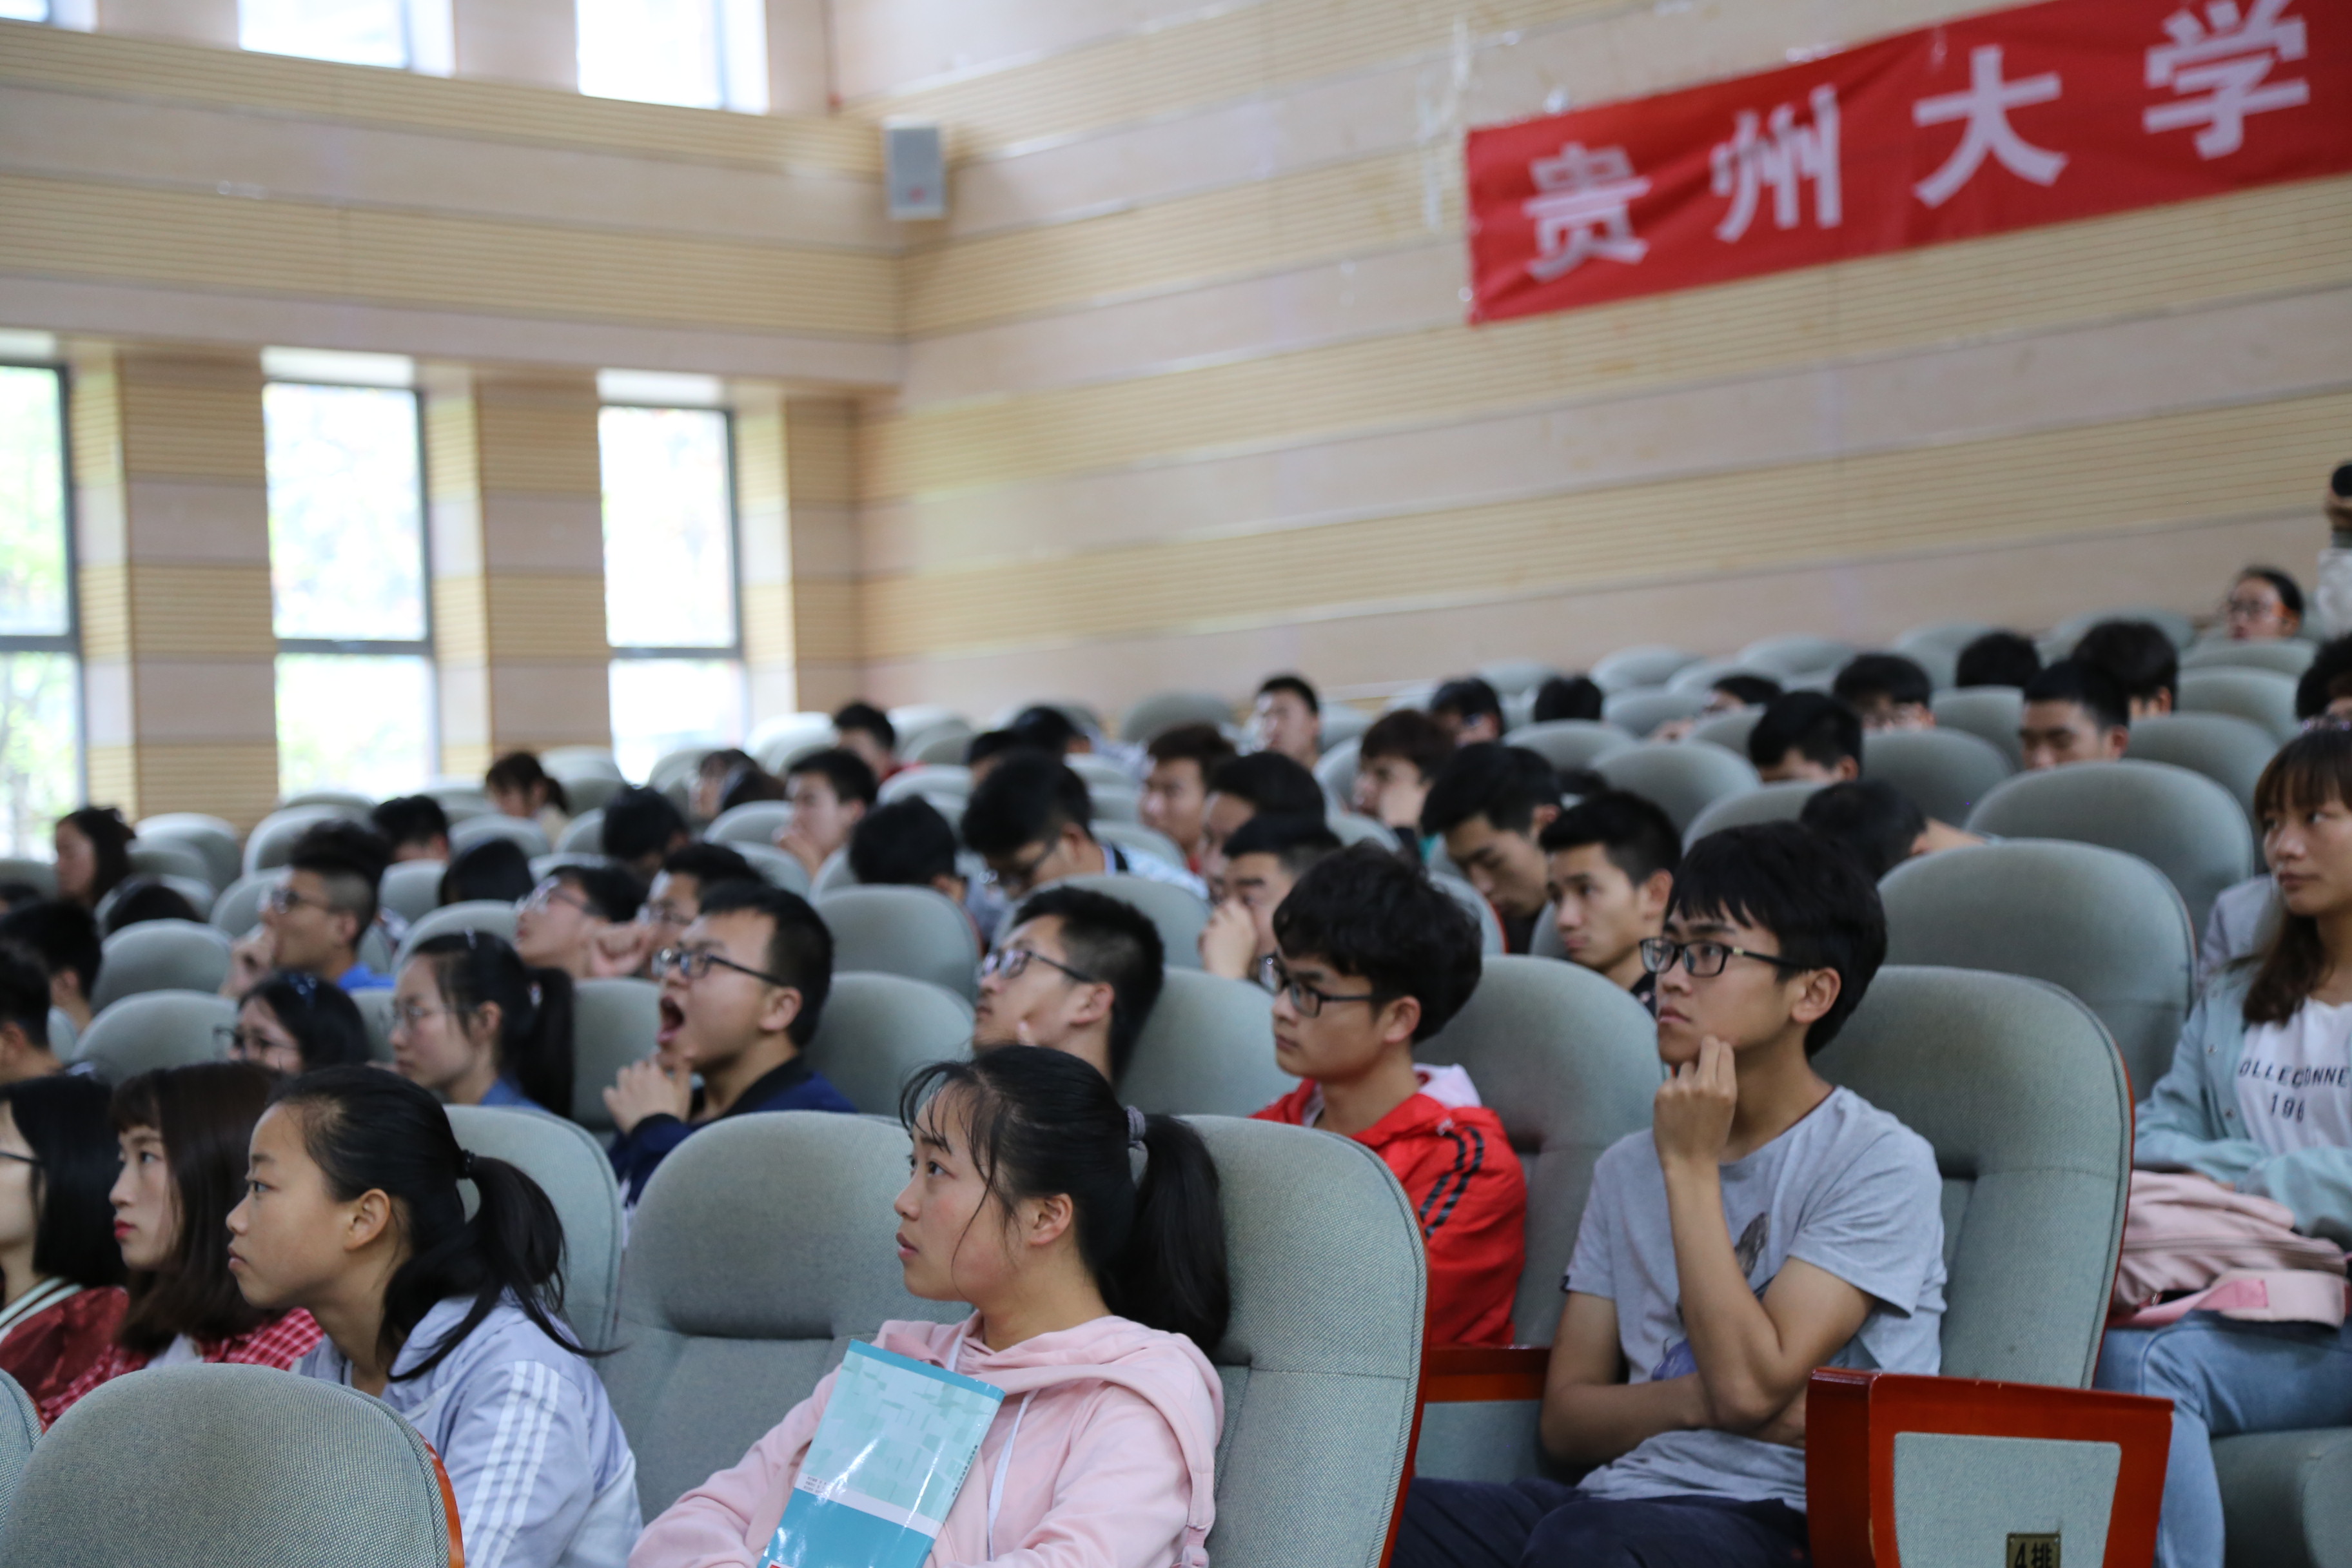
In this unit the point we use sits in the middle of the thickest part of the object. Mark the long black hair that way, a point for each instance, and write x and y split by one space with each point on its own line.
2308 771
475 969
371 1131
204 1114
321 1014
110 841
1040 1122
64 1120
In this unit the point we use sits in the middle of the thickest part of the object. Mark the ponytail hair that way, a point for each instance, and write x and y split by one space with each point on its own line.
475 969
1042 1122
371 1131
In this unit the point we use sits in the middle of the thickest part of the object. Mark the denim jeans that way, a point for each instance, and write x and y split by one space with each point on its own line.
2225 1377
1537 1524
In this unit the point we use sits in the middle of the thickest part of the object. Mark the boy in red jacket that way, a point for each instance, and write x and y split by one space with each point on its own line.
1373 957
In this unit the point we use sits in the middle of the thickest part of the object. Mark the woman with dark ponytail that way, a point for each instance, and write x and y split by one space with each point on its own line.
476 1025
1087 1238
353 1211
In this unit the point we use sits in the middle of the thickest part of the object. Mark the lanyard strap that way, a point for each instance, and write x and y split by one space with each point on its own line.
1003 1456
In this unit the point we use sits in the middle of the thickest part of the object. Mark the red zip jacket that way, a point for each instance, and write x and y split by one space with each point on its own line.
1466 1188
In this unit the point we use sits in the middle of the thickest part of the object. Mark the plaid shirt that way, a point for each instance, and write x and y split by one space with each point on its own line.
279 1343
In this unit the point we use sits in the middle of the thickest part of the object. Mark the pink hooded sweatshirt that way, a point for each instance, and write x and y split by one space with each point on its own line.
1113 1466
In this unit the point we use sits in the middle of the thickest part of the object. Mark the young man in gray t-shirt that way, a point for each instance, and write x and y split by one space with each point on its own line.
1767 1223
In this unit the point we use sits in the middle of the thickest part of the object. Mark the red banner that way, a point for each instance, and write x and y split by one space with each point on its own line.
2004 121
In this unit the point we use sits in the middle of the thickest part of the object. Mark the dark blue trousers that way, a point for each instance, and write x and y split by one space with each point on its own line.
1536 1523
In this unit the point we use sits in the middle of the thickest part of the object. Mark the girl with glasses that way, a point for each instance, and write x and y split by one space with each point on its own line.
291 1023
476 1025
60 1273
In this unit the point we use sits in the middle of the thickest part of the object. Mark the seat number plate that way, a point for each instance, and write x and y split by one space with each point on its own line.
2032 1551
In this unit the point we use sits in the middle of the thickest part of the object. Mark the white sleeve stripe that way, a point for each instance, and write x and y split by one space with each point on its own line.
485 1476
513 1473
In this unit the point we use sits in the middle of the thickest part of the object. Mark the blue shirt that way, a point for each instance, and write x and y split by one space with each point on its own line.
504 1094
360 977
796 1085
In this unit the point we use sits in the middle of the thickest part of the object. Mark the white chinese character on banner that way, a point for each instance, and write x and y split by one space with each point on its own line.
1783 160
2225 58
1583 211
1985 104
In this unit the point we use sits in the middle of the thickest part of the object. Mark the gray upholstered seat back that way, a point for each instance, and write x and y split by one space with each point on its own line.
1646 665
2105 925
919 932
1944 772
486 915
584 832
2230 751
1474 904
1178 913
20 1426
1640 709
777 868
524 833
228 1466
412 889
571 1168
1322 1363
155 1029
1682 779
213 837
239 909
2262 697
944 779
761 1246
877 1029
2021 1092
160 956
1570 1063
1206 1050
1991 713
612 1024
2285 655
164 857
1167 710
1770 803
1795 653
1570 742
1730 730
753 822
272 838
2183 823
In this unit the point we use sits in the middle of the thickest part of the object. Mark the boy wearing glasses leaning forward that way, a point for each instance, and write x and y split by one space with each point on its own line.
1078 971
1765 1225
740 995
1371 957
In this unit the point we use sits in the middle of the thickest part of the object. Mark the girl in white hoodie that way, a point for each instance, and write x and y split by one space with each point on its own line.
1087 1238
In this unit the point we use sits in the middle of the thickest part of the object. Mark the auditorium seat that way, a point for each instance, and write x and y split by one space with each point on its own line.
2285 655
1207 1049
753 822
1633 668
1991 713
913 932
1944 772
583 834
412 889
1099 771
2260 696
2183 823
239 909
1351 827
272 838
877 1029
348 802
834 873
160 956
166 859
1702 675
375 1012
1343 723
1795 654
2229 751
486 915
1179 914
1569 743
775 868
1640 711
1475 904
230 1467
1730 730
1767 803
1165 711
1336 770
953 779
20 1426
42 875
524 833
2105 925
2285 1496
612 1024
155 1029
1682 779
941 746
2172 623
1516 677
571 1168
1951 636
210 836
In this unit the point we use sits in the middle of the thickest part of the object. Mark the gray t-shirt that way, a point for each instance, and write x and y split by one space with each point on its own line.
1850 1189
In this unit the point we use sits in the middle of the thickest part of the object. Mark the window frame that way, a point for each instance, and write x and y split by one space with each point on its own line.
68 642
730 651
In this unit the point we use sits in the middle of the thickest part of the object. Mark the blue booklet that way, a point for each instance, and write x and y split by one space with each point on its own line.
897 1439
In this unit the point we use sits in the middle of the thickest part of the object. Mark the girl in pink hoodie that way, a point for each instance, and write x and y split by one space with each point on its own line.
1087 1238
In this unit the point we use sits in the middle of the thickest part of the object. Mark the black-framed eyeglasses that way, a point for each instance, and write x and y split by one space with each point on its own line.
693 962
1305 999
1021 877
552 893
1704 959
284 900
32 1159
1012 963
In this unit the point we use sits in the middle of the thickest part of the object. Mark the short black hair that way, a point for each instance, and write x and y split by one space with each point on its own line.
410 819
1409 733
990 744
63 936
350 858
2085 685
906 843
2138 654
639 822
2290 592
321 1014
495 870
1270 781
2328 677
745 785
1568 697
1467 698
1636 834
1998 659
1026 799
1503 784
24 991
1870 676
1755 691
137 900
1297 686
1367 912
800 947
1298 842
1047 728
1804 888
709 864
1871 817
612 891
518 772
1202 745
843 770
66 1121
1814 724
869 718
1117 944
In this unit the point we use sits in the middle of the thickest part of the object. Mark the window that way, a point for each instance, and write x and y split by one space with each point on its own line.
669 583
703 54
24 10
40 697
348 588
399 34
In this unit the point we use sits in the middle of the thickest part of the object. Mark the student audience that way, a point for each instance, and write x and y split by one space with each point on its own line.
866 732
1609 872
1264 860
1286 718
908 844
415 825
577 918
2141 659
1468 711
741 995
25 1050
291 1023
519 786
1031 820
183 1132
137 900
1088 1240
672 903
829 792
1568 697
14 896
1767 1223
1887 692
2324 691
726 779
1176 790
1046 728
1879 824
93 854
313 921
65 938
61 1274
476 1025
1998 659
1806 736
354 1214
2264 605
1489 805
1396 761
1078 971
1735 692
983 751
495 870
1372 958
2075 712
641 827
